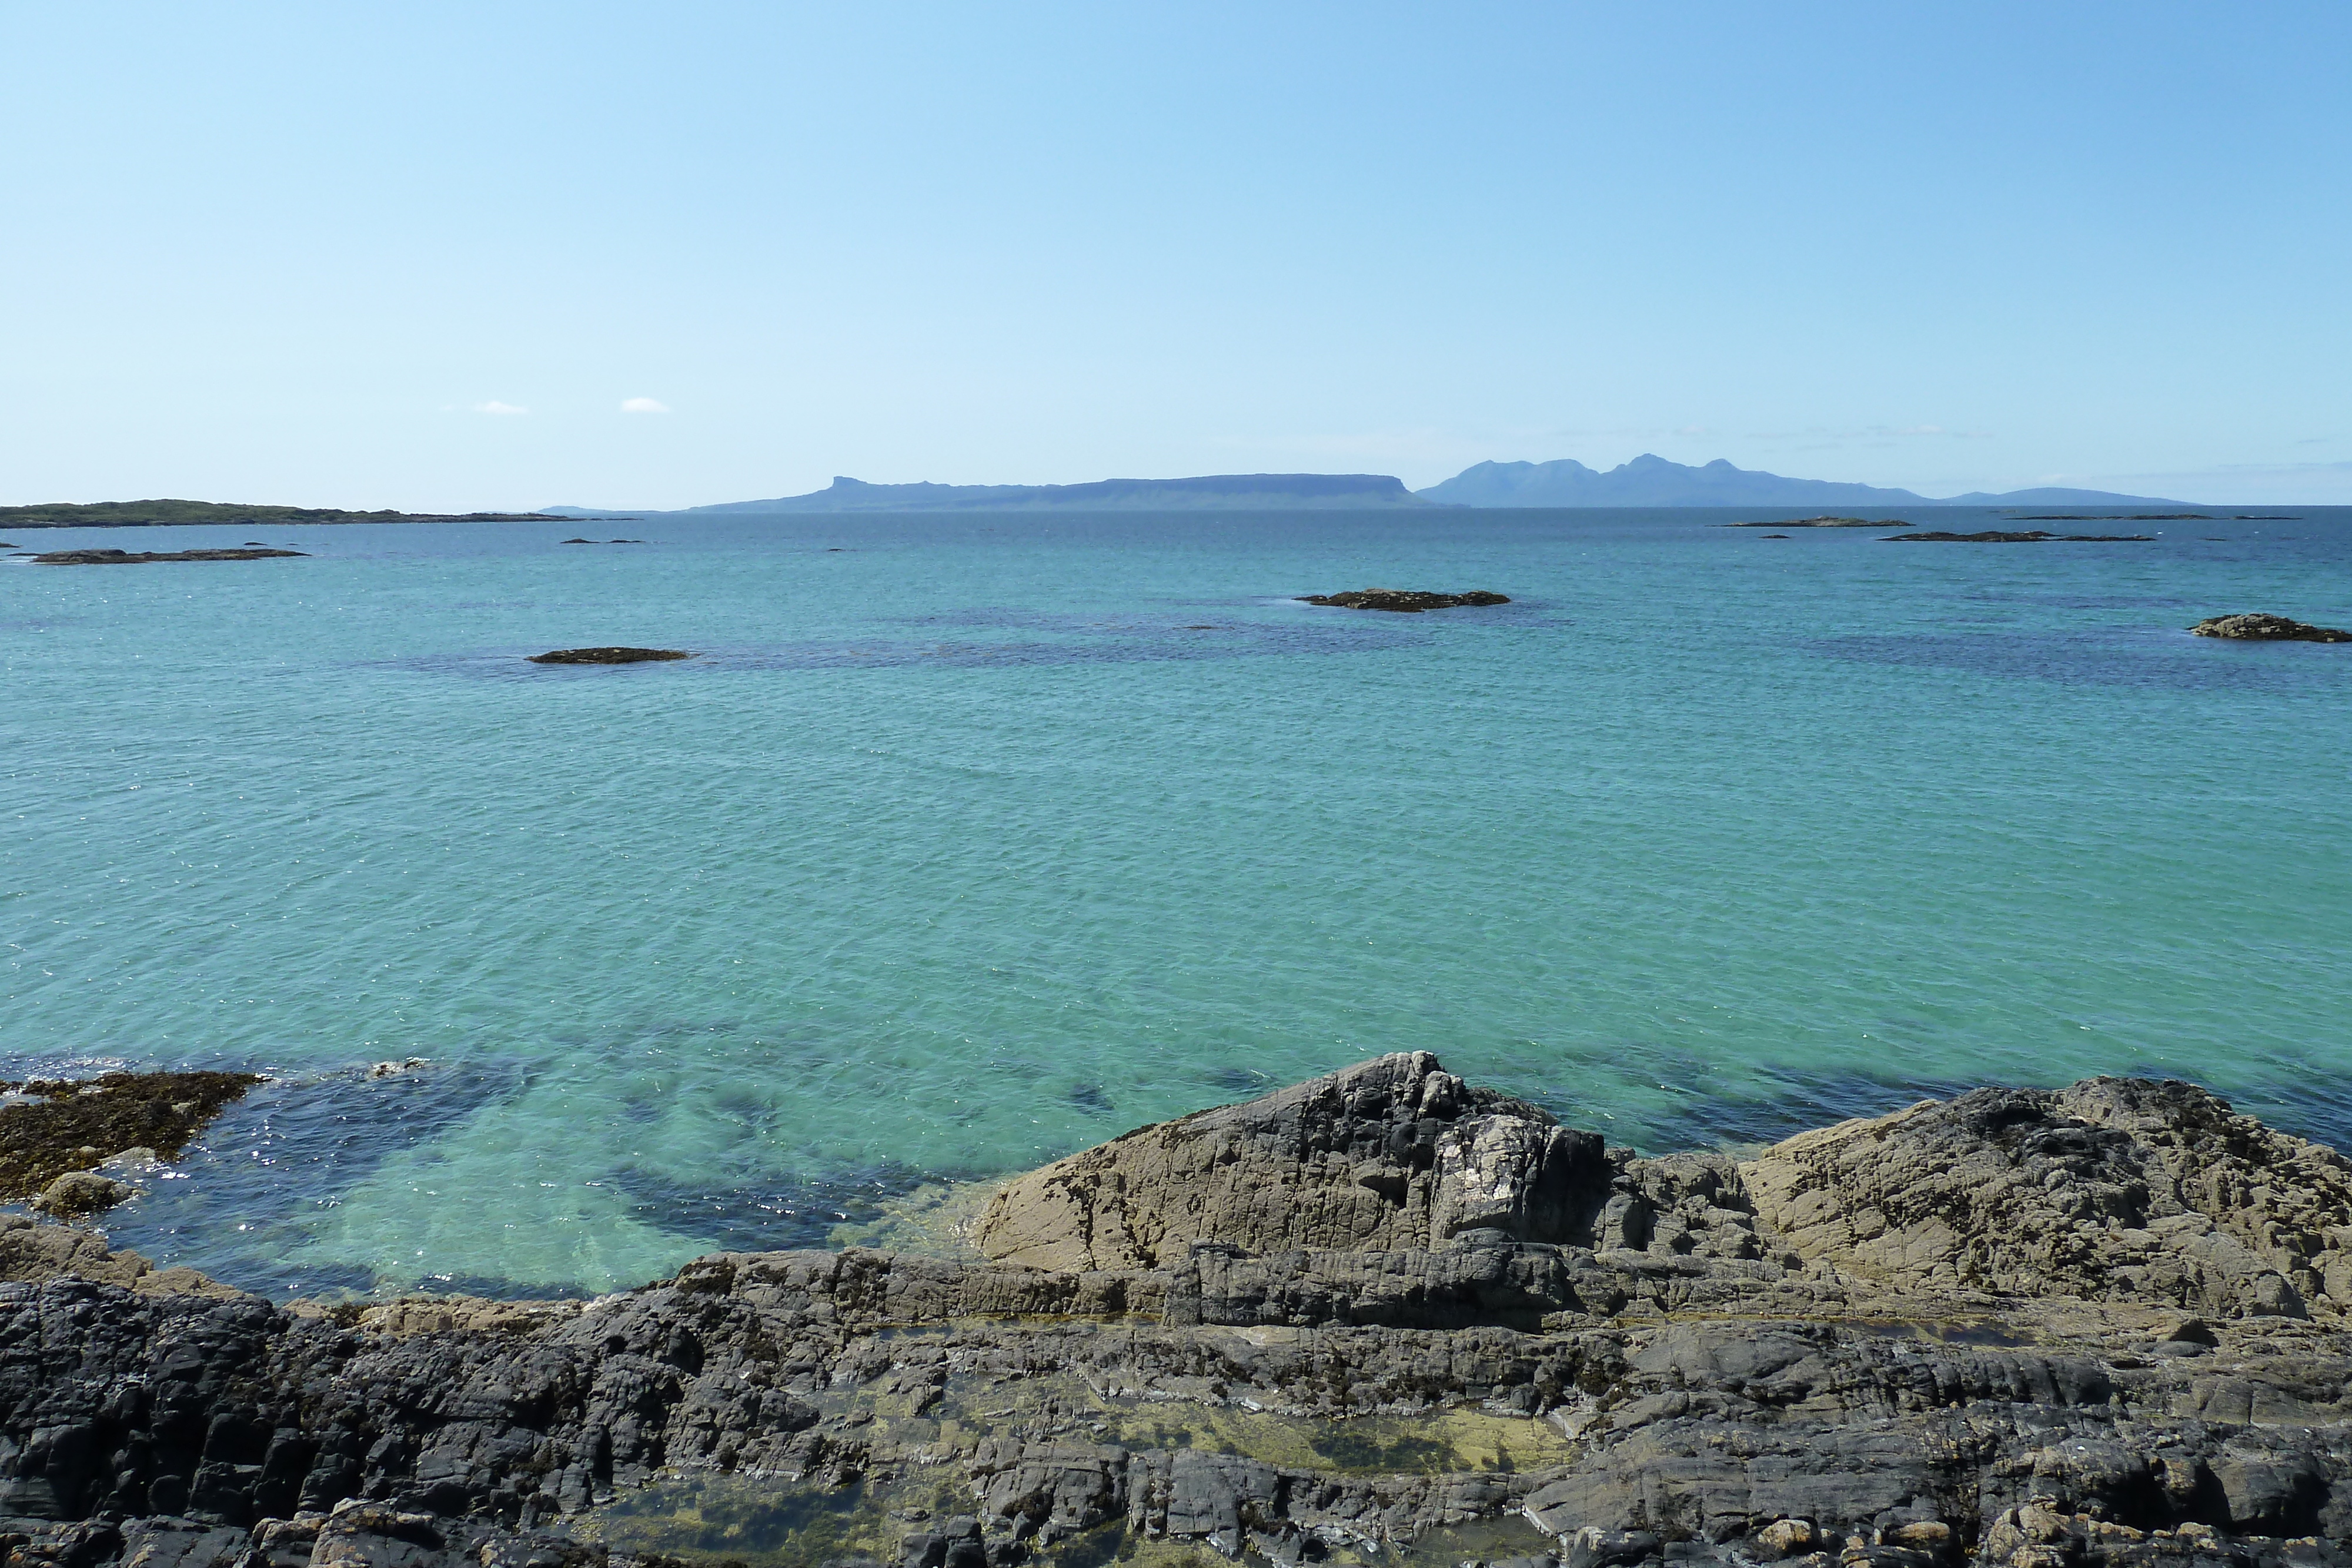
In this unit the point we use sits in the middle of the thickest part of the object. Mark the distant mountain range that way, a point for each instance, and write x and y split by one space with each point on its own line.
1646 481
1651 481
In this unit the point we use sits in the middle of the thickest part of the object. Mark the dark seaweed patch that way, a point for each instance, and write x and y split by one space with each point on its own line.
71 1125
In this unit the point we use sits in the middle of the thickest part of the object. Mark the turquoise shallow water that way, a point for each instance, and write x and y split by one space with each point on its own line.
971 841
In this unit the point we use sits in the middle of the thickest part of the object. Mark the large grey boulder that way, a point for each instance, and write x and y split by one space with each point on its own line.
1392 1154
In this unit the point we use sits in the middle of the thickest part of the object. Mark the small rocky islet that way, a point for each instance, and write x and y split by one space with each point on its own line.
144 557
1824 522
1384 1316
609 656
1402 601
2260 627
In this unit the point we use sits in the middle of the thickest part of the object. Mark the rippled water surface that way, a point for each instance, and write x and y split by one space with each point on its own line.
968 842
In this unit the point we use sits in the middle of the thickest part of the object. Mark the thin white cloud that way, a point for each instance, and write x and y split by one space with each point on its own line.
495 407
644 405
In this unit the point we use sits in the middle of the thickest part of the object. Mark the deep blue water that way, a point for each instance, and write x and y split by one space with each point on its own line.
966 842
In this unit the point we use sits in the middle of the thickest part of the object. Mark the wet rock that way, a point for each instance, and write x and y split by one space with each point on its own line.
2263 628
607 655
79 1193
1405 602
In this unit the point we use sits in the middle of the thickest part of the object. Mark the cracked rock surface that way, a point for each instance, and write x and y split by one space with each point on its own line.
1381 1317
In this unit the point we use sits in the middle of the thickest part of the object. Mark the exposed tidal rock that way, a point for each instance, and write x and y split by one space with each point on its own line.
1405 602
2262 628
142 557
52 1127
607 655
81 1192
2036 1329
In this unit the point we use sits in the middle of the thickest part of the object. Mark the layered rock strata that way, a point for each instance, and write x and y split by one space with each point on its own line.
1384 1316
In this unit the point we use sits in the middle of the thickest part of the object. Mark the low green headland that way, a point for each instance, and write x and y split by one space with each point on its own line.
168 513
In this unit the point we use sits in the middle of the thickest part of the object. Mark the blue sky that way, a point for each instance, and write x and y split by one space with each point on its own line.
455 256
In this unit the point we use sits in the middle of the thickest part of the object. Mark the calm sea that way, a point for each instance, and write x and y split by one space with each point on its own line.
968 842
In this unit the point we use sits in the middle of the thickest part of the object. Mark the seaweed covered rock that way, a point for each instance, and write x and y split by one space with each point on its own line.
1403 601
608 655
81 1192
56 1125
144 557
2263 628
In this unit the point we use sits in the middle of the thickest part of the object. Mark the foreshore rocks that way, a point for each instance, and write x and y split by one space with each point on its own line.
1383 1316
1400 600
2261 628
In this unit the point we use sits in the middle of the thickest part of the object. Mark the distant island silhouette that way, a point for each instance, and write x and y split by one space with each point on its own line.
1646 481
1651 481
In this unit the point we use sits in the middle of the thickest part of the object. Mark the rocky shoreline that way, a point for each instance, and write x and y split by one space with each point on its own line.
1383 1316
